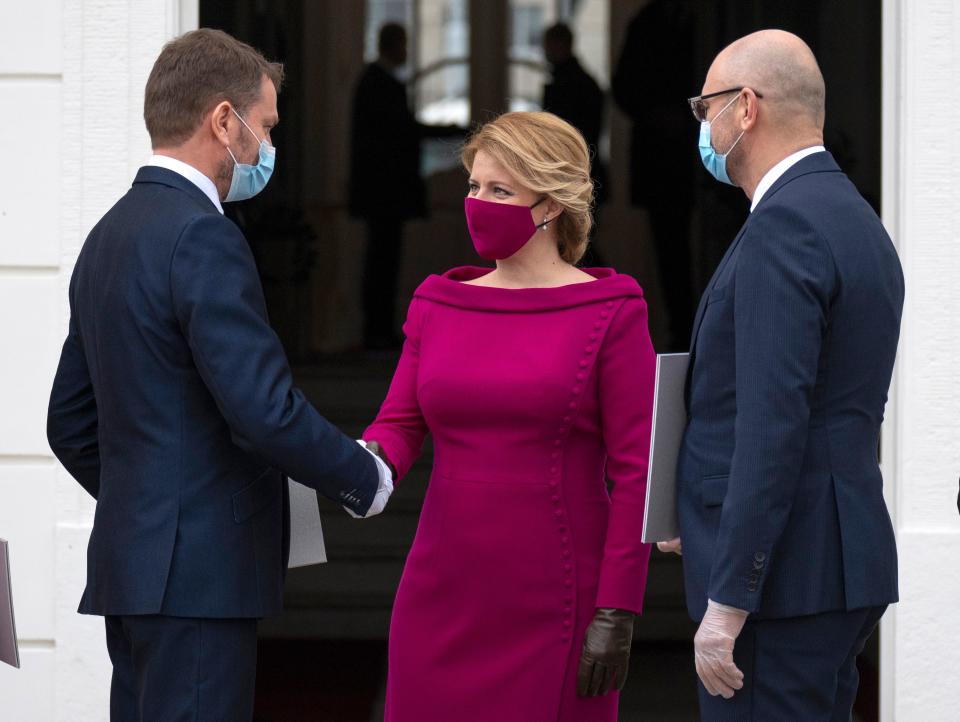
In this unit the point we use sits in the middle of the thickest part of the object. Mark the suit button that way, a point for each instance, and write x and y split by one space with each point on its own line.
751 587
759 557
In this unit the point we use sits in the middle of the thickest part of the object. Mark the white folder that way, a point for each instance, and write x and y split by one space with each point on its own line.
306 534
9 652
660 521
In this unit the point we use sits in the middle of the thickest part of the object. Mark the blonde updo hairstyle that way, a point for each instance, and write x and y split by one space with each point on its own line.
550 157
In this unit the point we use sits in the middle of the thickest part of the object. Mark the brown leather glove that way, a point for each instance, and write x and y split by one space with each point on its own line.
378 450
606 653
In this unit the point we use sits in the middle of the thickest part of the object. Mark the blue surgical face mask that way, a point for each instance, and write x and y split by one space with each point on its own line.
248 180
716 163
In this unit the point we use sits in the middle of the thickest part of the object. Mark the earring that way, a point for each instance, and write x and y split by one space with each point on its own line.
545 224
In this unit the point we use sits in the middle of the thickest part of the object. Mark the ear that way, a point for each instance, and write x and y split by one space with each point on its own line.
553 210
747 109
220 123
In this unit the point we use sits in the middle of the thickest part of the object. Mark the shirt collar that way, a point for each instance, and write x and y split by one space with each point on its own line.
772 175
191 174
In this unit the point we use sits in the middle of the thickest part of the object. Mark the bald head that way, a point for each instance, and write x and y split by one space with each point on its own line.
782 68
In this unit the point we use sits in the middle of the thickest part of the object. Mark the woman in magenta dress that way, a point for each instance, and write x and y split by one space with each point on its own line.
536 381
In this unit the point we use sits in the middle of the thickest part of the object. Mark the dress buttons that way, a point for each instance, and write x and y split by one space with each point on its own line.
555 499
588 349
553 485
568 568
565 540
568 583
581 376
567 611
568 601
557 442
558 513
598 325
576 390
566 623
593 337
583 364
565 639
609 304
567 419
566 553
555 455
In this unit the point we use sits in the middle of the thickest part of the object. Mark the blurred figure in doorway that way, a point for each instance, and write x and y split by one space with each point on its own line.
575 96
386 188
656 63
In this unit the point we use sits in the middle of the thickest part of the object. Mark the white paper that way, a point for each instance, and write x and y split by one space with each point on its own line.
306 534
660 521
9 651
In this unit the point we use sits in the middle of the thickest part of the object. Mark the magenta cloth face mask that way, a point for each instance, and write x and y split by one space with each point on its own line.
499 229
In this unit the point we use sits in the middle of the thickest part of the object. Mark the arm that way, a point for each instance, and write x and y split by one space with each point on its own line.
626 371
785 278
399 427
219 302
72 416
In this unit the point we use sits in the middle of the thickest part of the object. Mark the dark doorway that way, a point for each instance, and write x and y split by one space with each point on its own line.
326 657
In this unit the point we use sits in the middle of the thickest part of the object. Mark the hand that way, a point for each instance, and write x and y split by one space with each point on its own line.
606 653
385 488
713 649
674 545
374 447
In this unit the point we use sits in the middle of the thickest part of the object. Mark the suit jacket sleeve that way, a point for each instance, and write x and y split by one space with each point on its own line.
72 428
626 371
785 278
219 302
400 427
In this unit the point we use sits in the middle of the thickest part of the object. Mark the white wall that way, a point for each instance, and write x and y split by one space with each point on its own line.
71 89
921 639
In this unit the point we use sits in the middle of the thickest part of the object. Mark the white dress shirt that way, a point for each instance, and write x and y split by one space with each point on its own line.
191 174
772 175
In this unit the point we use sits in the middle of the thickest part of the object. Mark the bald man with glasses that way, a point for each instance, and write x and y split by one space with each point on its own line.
789 553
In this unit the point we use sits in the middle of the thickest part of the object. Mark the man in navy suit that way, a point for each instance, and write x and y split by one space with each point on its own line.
789 553
173 403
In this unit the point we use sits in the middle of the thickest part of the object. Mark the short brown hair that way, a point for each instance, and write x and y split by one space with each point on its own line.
194 73
549 156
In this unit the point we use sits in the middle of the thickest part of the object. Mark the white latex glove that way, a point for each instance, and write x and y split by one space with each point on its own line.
713 649
674 545
383 491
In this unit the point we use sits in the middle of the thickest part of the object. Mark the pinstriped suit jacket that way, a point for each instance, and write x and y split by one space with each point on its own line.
779 486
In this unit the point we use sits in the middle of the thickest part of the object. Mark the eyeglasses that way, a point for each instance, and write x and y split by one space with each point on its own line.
700 108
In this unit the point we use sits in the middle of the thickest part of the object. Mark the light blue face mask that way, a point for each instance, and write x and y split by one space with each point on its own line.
248 180
716 163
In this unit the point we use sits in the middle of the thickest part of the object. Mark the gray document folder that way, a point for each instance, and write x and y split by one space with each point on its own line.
669 422
306 535
9 652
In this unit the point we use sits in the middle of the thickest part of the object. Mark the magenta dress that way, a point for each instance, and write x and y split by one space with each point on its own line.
533 397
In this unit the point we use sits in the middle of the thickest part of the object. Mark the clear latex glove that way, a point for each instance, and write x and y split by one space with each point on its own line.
383 491
675 545
713 649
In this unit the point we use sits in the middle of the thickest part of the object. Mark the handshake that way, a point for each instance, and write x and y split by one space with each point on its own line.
387 474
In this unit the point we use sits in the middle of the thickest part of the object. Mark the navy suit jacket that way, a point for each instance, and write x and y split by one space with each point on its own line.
779 487
173 405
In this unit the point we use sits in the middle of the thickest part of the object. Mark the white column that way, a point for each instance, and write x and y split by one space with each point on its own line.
72 74
921 635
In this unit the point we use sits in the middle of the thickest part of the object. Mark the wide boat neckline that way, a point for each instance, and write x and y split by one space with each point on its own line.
450 289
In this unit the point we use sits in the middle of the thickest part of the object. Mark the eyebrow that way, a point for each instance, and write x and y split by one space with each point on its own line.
493 182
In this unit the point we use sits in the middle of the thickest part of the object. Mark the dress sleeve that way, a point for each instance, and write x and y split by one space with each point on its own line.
626 373
400 427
